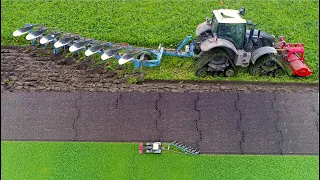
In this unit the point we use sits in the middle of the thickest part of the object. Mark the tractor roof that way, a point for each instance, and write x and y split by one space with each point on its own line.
156 146
228 16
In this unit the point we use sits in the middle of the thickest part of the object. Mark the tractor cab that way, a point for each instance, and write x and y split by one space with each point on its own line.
229 25
150 147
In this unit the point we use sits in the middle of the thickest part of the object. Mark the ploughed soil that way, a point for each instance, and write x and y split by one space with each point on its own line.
29 69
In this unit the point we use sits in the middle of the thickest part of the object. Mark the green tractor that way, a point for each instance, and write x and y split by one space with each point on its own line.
224 43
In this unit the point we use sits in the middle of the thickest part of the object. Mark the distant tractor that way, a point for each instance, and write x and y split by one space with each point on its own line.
150 147
224 43
158 147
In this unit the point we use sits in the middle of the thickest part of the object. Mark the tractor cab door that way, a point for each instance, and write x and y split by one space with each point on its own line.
234 33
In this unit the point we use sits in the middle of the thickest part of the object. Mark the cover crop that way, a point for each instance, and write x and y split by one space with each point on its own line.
99 160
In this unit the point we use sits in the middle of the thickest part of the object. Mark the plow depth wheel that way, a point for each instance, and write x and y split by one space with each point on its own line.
146 56
266 65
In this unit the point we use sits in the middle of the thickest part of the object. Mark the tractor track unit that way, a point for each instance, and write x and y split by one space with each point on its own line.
222 44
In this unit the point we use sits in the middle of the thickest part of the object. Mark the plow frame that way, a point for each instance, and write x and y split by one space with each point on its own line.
188 52
150 63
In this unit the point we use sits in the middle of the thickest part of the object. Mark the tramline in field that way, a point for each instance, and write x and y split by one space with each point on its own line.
221 45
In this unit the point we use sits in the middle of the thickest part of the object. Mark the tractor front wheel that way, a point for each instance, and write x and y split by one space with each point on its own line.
266 66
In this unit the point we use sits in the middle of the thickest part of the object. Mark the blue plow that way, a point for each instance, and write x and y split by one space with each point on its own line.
139 56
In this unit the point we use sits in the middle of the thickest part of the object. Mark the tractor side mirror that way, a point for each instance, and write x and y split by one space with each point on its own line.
242 11
249 22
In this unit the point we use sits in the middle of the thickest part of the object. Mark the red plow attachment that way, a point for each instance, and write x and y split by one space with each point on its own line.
293 54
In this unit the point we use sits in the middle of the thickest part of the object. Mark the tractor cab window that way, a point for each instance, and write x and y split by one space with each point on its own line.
233 32
215 24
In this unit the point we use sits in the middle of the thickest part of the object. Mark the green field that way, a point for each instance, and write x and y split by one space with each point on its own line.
147 23
83 160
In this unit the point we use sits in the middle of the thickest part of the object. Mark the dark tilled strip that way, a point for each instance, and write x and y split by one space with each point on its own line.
18 74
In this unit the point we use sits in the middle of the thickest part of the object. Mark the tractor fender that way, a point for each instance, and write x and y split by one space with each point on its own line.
202 28
212 43
217 42
262 51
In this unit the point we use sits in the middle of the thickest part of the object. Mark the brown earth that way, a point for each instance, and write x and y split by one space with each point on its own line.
28 69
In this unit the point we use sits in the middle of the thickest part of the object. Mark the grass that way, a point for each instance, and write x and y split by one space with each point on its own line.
147 23
172 68
94 160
